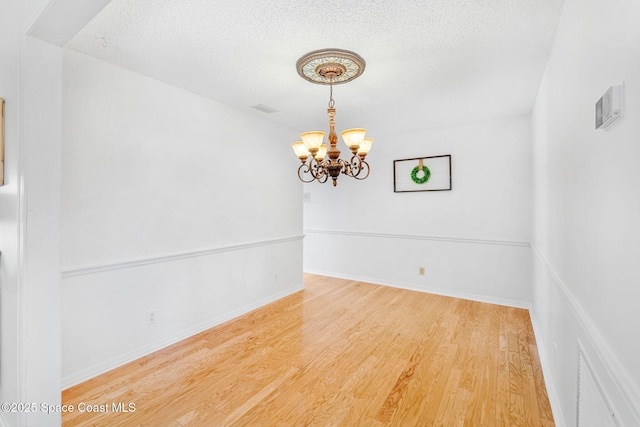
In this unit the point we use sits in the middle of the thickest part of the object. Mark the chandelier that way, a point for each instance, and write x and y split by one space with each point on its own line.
329 67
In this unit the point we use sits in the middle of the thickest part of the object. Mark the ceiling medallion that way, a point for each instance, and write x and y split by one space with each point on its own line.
331 66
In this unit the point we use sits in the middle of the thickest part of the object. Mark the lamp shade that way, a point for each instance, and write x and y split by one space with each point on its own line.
365 146
353 137
312 139
300 149
321 152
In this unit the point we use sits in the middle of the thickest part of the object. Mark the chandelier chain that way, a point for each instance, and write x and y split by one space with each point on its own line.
332 103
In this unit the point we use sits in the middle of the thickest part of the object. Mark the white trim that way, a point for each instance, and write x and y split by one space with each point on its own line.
117 265
547 373
46 24
417 237
598 383
429 290
101 368
21 321
37 16
615 370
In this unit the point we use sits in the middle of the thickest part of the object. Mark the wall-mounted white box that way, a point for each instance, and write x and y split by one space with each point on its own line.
609 107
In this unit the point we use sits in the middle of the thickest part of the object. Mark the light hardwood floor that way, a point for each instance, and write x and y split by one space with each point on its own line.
339 353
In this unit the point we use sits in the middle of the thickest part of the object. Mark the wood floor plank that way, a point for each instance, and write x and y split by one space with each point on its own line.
411 401
473 381
340 352
516 372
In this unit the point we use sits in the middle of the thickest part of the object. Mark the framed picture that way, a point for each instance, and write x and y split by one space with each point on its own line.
422 174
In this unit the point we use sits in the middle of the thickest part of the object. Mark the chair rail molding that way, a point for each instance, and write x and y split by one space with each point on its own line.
136 262
417 237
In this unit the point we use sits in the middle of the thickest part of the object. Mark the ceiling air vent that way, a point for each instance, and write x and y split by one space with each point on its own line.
265 109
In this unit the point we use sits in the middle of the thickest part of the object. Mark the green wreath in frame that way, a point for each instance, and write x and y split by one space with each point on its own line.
416 171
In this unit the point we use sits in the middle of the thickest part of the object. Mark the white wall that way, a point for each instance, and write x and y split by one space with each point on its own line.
42 86
164 207
472 241
13 14
587 205
31 82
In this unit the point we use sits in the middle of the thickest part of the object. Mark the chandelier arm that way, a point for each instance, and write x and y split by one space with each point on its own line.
319 170
346 167
313 168
302 171
351 168
356 164
324 177
363 165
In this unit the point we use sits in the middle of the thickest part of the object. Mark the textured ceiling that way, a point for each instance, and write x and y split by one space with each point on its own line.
429 62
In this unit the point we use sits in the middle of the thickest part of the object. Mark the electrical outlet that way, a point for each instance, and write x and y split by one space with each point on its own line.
421 271
275 277
151 317
554 354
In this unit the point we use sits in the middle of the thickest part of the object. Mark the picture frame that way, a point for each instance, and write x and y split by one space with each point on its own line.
431 173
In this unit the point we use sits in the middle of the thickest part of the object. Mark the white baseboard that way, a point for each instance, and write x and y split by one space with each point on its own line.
430 290
547 373
101 368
